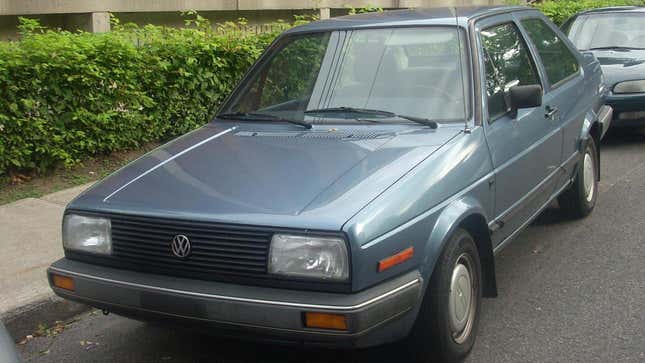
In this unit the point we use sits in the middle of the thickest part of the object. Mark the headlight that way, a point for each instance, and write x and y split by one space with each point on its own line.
309 256
87 234
630 87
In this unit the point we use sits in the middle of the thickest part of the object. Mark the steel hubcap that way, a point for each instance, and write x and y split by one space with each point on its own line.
461 304
589 176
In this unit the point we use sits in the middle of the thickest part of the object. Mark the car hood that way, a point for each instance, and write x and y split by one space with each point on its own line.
619 66
260 174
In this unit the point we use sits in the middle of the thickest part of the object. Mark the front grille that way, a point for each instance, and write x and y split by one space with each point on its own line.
215 249
219 252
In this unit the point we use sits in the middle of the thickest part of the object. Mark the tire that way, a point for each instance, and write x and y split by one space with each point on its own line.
580 199
445 330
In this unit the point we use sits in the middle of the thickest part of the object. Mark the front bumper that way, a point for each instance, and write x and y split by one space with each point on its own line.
378 315
605 115
629 109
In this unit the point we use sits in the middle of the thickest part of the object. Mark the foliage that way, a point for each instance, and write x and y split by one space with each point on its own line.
561 10
290 74
366 9
65 96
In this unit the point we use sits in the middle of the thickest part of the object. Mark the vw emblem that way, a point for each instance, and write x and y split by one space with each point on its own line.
180 246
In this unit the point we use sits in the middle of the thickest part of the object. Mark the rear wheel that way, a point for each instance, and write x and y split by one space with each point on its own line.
447 322
579 200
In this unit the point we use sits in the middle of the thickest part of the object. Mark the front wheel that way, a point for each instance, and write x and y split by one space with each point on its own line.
446 326
580 199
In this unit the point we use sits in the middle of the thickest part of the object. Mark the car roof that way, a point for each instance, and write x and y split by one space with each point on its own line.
614 9
407 17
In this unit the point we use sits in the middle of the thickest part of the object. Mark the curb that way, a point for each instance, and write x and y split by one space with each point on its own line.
26 319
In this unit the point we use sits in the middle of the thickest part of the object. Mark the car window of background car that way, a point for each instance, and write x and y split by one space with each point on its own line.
608 30
410 71
507 63
557 59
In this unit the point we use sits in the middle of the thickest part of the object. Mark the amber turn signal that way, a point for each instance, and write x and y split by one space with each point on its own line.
325 321
394 260
63 282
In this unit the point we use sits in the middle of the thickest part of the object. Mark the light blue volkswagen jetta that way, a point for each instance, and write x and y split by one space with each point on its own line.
354 188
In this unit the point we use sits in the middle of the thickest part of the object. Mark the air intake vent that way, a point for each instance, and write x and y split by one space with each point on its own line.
324 135
267 134
361 135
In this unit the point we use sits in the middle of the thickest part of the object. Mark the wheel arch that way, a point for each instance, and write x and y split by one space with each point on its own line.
477 226
468 214
591 129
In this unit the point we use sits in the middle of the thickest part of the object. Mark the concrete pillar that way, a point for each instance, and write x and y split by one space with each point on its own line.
98 22
325 13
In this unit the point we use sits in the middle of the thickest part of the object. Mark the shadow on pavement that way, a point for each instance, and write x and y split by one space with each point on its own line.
623 135
177 343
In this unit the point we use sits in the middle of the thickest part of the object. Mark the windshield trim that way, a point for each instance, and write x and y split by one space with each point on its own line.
285 37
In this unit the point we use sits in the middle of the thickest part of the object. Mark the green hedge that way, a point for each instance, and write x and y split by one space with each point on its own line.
561 10
65 96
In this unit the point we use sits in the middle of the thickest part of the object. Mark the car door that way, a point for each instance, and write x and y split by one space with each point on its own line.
564 103
525 148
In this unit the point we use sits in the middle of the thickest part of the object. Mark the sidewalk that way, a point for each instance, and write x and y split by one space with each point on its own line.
31 240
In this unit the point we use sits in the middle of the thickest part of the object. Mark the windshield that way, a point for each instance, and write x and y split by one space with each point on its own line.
347 75
620 30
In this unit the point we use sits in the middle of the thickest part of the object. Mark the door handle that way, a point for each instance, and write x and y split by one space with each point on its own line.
551 112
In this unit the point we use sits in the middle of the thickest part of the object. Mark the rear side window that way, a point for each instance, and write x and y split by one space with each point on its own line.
558 60
508 64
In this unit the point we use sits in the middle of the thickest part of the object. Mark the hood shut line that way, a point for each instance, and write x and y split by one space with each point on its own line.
169 160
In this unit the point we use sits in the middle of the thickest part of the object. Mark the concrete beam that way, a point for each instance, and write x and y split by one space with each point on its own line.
313 4
33 7
27 7
341 4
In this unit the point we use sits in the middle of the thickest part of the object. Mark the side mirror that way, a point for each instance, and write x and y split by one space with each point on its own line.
525 97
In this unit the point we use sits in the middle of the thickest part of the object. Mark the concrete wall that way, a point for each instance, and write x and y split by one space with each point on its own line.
93 15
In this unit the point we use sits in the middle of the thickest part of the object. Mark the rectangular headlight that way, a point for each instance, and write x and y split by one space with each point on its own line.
630 87
87 234
309 256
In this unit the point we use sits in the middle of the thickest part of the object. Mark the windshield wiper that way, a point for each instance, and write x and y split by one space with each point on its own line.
351 110
366 111
257 116
615 47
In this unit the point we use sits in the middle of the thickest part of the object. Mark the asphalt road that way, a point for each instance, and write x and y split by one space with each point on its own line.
569 291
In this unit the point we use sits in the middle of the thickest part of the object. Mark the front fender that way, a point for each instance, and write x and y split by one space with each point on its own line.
450 218
585 131
591 129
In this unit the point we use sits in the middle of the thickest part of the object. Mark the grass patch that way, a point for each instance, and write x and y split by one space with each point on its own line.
18 187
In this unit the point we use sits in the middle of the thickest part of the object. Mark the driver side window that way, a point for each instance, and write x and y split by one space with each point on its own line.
507 64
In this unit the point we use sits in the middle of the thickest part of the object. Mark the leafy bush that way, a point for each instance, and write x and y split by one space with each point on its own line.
65 96
366 9
561 10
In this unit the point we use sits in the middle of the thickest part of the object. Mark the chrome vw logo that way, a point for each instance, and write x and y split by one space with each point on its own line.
180 246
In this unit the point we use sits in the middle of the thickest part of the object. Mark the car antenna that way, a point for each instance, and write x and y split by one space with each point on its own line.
461 69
